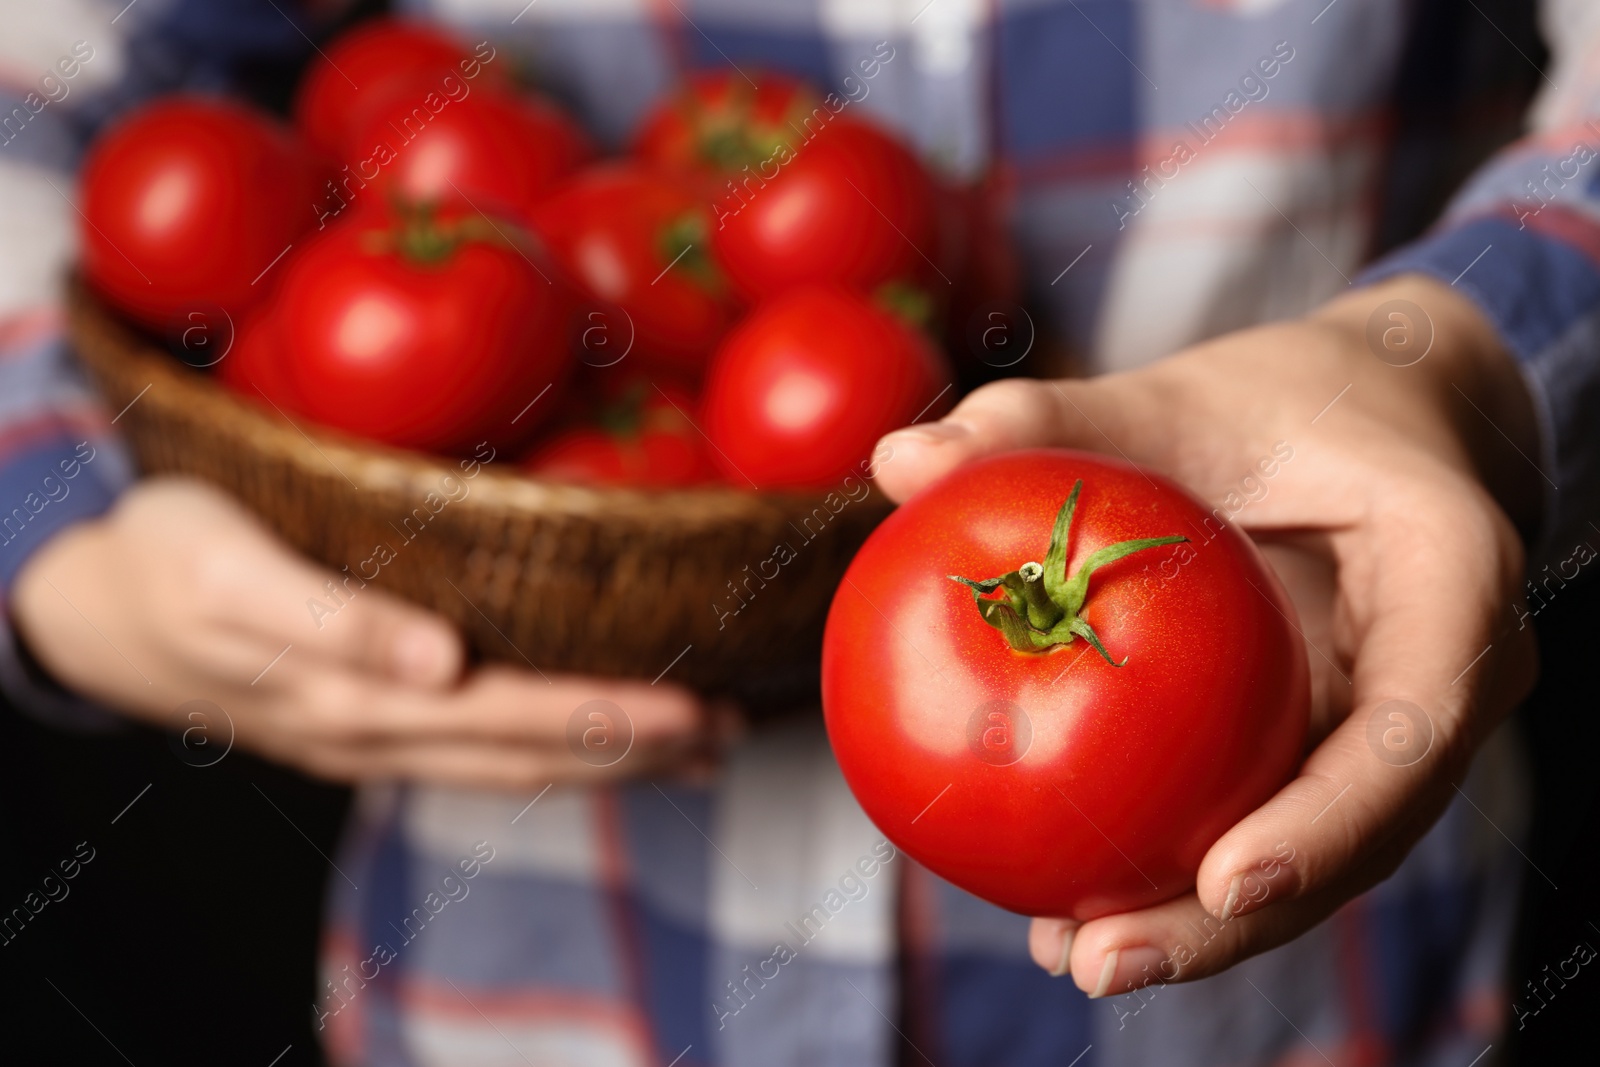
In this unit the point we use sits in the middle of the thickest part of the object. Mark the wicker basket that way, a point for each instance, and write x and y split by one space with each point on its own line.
565 578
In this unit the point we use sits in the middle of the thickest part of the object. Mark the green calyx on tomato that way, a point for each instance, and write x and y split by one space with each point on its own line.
422 236
1041 607
685 244
732 136
910 302
624 417
633 413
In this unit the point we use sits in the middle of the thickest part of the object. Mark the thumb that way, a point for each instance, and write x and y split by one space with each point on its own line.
378 633
337 618
241 578
999 417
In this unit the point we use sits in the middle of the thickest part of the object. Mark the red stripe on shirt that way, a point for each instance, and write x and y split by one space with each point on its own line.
20 332
90 421
616 876
917 925
1364 1044
449 1002
1574 229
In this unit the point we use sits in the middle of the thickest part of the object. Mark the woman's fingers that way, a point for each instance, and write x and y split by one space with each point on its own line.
1424 608
246 581
496 765
371 631
1180 941
1420 598
1050 944
185 573
494 704
502 729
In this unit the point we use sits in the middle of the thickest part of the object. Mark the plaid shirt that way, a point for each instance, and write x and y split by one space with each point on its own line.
1221 161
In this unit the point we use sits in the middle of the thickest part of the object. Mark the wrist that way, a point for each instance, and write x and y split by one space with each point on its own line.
1430 348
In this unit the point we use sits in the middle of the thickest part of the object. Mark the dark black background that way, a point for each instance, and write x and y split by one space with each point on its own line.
190 937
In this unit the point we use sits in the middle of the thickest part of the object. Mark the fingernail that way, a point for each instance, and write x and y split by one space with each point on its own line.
417 655
1065 963
935 432
1272 882
1108 971
1233 897
667 726
1127 969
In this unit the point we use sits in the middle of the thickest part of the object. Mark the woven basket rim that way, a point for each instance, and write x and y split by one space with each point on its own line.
322 451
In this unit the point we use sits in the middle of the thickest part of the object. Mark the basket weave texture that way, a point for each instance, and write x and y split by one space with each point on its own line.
564 578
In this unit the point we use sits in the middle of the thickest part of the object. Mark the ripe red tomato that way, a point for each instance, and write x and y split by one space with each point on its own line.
187 202
362 64
431 334
256 366
843 203
1054 782
803 388
719 120
645 439
502 152
637 240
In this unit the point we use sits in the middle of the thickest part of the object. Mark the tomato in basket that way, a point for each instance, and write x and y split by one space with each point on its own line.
848 204
361 65
636 240
432 330
645 438
721 120
498 152
802 389
188 203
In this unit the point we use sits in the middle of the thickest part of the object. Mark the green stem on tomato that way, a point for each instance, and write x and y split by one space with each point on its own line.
420 236
1042 607
1043 613
684 244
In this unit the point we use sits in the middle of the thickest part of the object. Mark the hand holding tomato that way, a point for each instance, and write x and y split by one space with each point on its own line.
1389 527
1059 691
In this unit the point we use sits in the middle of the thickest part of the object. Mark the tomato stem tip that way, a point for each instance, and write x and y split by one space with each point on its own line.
1040 607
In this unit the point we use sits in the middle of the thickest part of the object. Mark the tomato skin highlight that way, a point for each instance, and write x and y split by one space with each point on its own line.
801 390
186 201
1099 788
436 356
502 152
